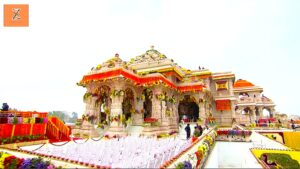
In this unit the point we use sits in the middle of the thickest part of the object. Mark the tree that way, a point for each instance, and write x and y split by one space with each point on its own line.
5 107
59 114
74 117
64 116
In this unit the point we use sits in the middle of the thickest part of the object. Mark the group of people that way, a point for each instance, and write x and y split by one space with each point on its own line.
197 132
294 127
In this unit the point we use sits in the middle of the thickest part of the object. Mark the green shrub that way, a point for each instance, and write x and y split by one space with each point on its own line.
283 160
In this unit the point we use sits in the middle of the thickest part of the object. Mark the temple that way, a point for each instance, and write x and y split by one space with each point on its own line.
152 88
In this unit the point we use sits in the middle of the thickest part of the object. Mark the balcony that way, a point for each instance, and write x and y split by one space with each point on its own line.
243 100
258 101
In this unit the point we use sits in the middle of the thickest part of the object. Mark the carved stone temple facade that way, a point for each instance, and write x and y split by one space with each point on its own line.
152 87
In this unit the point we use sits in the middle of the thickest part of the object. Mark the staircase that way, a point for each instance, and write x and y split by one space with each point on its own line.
57 130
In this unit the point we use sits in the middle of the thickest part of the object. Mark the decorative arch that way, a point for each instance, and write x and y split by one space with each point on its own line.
128 104
134 90
188 109
266 112
103 101
246 111
147 96
243 95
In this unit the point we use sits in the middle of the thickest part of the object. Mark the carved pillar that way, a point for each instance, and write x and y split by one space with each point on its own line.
157 105
202 114
116 127
92 108
260 112
238 115
138 118
175 109
116 105
272 111
252 114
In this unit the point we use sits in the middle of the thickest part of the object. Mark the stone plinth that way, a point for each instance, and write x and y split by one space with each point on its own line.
116 129
151 130
86 129
137 119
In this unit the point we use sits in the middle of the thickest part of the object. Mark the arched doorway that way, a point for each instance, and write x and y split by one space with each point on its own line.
147 105
266 113
188 109
103 101
246 116
243 95
246 111
128 103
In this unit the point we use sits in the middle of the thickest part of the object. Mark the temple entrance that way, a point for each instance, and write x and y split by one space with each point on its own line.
147 97
266 113
188 109
103 101
128 103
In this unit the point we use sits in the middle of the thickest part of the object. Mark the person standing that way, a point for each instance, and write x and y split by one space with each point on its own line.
188 131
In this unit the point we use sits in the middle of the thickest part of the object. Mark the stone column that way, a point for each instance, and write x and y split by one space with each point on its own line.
138 118
272 111
202 114
260 112
157 106
91 108
252 114
116 106
116 127
238 115
176 113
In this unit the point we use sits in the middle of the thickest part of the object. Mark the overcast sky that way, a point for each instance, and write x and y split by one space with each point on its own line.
259 41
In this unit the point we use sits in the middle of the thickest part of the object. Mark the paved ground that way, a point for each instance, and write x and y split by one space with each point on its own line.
232 155
238 154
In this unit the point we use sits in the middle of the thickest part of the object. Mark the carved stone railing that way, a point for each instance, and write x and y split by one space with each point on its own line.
246 100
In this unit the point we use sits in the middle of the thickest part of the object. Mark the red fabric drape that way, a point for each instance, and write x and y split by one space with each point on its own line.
223 105
5 130
140 80
22 129
39 129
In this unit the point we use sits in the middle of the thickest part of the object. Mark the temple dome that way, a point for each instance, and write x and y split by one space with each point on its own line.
242 83
151 55
111 63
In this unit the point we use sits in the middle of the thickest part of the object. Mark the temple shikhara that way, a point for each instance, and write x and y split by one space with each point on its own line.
152 88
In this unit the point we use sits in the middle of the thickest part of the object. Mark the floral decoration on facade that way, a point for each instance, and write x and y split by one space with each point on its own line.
132 110
86 96
117 93
168 113
162 97
89 118
115 118
98 67
172 100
